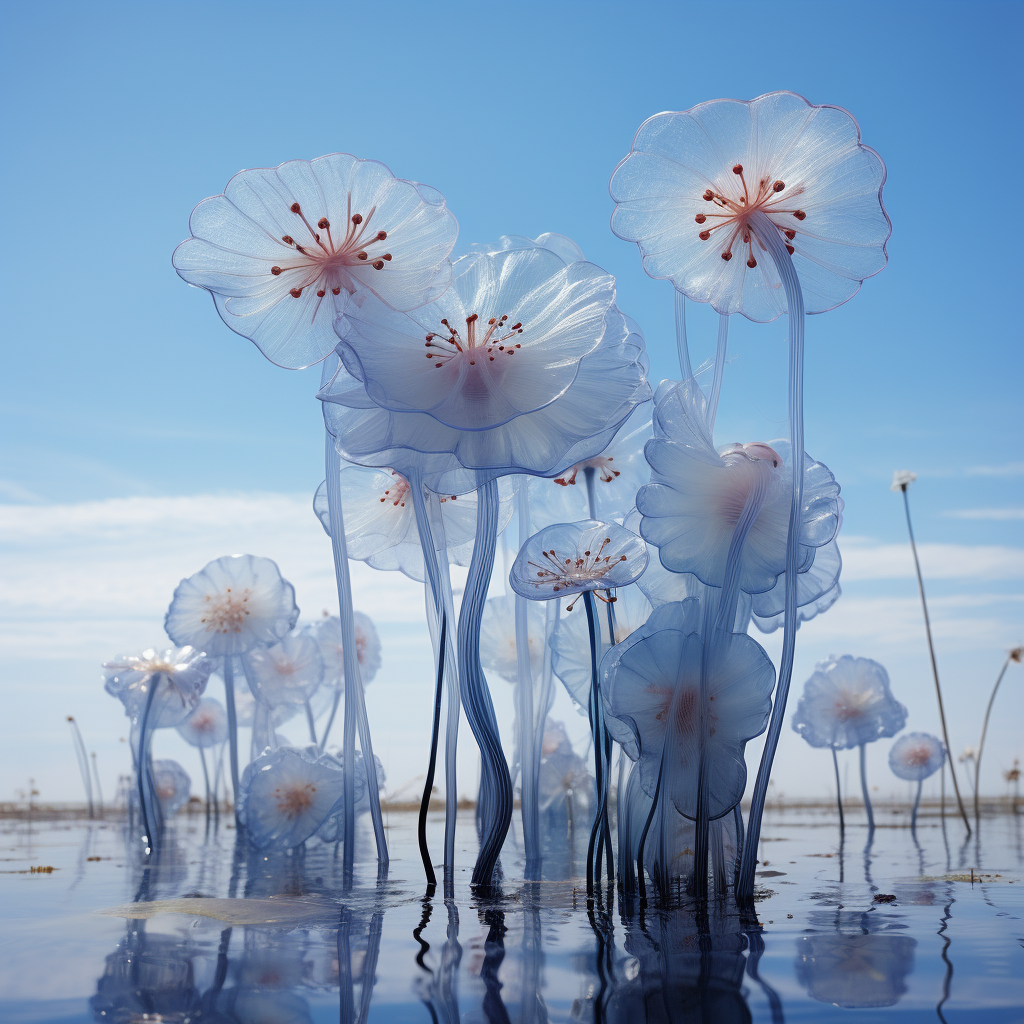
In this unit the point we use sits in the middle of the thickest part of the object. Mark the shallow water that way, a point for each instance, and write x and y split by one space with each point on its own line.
255 940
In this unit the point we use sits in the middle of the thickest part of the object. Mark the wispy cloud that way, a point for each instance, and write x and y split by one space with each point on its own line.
1007 469
994 514
11 490
865 559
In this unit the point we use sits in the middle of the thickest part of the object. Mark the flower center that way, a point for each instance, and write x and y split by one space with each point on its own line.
734 214
226 613
745 464
322 259
917 757
448 343
849 706
204 722
601 463
397 491
564 573
294 800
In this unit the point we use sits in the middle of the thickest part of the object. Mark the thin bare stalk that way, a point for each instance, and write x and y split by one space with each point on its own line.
981 742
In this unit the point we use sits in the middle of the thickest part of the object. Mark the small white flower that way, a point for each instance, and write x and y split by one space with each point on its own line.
902 479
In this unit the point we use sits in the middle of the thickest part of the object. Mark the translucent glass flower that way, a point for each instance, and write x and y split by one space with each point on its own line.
700 187
327 634
173 786
283 248
847 702
181 674
234 604
902 479
916 755
564 776
498 638
570 652
289 672
287 794
652 681
817 589
555 738
206 726
332 830
529 368
618 473
245 706
570 558
380 521
697 494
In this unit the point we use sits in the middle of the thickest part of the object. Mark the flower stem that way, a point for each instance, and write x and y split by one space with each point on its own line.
864 788
495 810
716 380
681 345
931 654
338 690
229 703
917 802
99 789
641 885
769 235
600 826
355 708
206 777
981 742
142 769
428 783
839 792
312 726
83 762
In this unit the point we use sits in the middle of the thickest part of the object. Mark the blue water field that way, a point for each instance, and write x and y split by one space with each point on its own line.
907 927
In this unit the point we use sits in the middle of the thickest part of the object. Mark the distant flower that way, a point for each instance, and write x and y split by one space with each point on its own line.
564 776
969 754
206 726
498 652
179 673
652 681
570 558
700 188
327 634
283 248
289 672
916 755
902 479
697 493
245 706
287 794
524 365
846 702
555 738
1016 654
234 604
173 786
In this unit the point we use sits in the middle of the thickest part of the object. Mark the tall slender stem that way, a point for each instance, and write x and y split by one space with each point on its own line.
839 792
96 779
601 813
716 380
864 788
312 726
428 782
917 802
981 742
142 765
83 762
769 235
641 885
495 812
529 765
682 347
355 709
339 689
229 703
931 654
206 777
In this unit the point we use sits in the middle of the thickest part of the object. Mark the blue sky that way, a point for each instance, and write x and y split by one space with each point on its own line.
121 383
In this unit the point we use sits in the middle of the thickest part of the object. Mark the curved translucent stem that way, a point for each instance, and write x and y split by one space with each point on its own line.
839 792
229 703
600 814
641 884
99 788
338 690
495 810
917 803
142 765
716 380
355 708
206 777
682 347
869 810
428 783
769 235
981 742
83 763
931 654
312 726
529 764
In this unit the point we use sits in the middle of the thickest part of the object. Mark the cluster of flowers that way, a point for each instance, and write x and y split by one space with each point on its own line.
237 617
512 365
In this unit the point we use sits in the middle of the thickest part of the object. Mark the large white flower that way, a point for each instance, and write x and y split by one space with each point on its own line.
179 674
289 672
700 187
283 249
234 604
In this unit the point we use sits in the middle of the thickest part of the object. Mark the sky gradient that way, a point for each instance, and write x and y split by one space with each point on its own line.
140 437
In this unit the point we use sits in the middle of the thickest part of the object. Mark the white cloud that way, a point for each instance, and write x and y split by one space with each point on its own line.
995 514
1007 469
865 559
11 490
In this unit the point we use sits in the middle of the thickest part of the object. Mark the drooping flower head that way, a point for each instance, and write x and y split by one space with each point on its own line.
698 493
652 682
287 794
180 675
916 755
207 726
847 702
700 188
327 634
524 365
569 558
234 604
173 786
288 672
283 248
902 479
498 652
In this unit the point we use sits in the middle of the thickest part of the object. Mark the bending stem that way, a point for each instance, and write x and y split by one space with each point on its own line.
981 742
428 784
